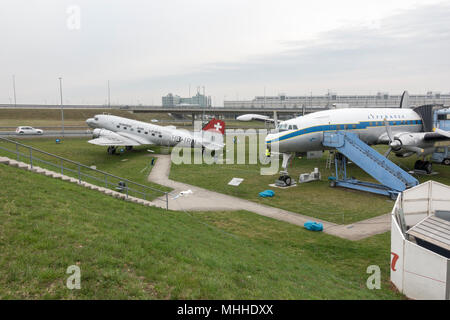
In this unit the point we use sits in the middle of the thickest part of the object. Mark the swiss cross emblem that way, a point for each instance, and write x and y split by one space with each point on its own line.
218 126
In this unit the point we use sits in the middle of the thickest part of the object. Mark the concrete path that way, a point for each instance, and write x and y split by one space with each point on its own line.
205 200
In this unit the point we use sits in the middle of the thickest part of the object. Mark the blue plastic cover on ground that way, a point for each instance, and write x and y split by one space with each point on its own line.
313 226
267 193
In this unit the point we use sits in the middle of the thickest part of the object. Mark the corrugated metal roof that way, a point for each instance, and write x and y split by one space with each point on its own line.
434 230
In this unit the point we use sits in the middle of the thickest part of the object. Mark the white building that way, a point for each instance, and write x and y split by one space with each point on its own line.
381 99
198 100
420 242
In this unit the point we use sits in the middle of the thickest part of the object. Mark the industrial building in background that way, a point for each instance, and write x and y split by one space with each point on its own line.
381 99
199 100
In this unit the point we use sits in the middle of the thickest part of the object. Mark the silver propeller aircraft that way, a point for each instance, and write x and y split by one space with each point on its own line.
406 131
113 131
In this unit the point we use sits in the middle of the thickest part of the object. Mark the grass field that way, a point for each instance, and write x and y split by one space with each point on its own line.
128 251
46 118
72 117
315 199
134 165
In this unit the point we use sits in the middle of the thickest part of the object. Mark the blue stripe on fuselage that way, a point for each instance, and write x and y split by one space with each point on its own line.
354 126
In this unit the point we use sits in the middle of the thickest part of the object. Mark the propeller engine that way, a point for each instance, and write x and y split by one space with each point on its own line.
404 143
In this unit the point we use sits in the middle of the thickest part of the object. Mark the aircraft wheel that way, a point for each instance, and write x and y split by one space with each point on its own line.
111 150
332 183
288 180
446 162
419 164
428 166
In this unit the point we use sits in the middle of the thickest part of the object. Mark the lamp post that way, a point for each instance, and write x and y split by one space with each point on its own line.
62 109
14 89
109 97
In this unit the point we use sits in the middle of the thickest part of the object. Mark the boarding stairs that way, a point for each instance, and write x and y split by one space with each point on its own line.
392 178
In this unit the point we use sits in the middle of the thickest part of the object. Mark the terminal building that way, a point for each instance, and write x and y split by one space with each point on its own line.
198 100
381 100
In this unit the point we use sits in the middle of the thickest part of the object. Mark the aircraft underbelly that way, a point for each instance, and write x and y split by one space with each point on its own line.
303 143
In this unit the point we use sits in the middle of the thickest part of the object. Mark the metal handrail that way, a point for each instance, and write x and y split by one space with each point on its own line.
79 166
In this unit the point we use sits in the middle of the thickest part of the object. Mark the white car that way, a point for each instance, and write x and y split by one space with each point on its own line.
28 130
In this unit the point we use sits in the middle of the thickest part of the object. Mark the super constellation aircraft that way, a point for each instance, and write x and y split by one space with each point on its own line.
406 131
114 131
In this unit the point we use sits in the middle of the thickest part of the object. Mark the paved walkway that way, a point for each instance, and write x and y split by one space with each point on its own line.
205 200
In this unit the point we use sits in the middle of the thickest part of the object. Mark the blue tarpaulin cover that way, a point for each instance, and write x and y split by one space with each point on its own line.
313 226
267 193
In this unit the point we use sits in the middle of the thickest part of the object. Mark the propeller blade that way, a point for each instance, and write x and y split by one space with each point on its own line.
388 130
386 154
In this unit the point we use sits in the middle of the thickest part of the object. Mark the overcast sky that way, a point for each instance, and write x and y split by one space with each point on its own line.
236 49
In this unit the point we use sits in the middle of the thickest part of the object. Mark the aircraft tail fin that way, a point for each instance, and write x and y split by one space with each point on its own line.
404 102
215 125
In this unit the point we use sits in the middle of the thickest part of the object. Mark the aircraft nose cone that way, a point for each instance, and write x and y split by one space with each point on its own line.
90 122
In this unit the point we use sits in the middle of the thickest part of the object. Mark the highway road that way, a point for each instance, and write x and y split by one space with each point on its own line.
67 133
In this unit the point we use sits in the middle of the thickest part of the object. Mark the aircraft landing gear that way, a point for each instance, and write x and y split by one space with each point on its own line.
426 166
285 178
111 150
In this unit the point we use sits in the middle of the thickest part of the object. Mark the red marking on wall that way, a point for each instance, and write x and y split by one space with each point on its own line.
394 261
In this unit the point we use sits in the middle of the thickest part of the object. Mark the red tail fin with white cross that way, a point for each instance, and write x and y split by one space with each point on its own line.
215 125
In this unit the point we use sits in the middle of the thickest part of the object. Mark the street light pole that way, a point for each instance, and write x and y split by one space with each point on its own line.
204 105
109 96
62 109
14 89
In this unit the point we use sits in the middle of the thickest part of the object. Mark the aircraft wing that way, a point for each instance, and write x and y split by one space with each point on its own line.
437 135
109 138
214 146
257 117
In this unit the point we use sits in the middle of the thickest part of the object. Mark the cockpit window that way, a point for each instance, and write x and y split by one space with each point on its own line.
285 126
96 118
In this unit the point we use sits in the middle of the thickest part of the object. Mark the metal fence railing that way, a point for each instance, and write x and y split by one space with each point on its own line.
45 160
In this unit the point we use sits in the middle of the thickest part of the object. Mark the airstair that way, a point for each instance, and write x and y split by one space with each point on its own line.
392 178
